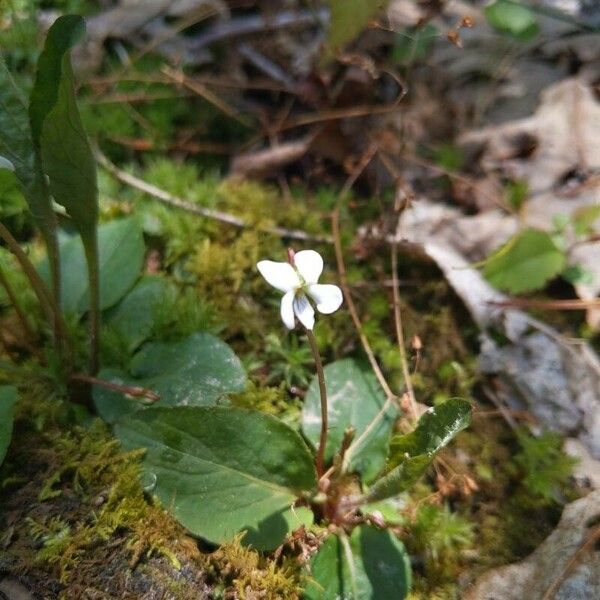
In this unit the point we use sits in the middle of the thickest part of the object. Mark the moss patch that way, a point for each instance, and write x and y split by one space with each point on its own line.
77 523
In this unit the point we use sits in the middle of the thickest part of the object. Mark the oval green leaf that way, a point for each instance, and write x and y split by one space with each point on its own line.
411 454
526 262
224 470
512 18
121 250
370 565
196 371
16 144
354 399
58 131
348 18
133 317
8 399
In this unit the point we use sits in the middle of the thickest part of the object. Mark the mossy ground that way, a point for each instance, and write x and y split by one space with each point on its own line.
77 522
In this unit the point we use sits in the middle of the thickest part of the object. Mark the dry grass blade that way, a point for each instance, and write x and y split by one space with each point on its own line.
201 90
400 333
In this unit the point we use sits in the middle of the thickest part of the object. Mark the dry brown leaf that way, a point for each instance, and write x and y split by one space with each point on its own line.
564 138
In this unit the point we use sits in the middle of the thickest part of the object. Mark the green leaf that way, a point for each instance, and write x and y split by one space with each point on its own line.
526 262
354 399
133 317
583 219
348 18
578 275
121 254
58 131
11 193
8 399
66 156
516 193
414 43
371 565
196 371
224 470
17 147
512 18
411 454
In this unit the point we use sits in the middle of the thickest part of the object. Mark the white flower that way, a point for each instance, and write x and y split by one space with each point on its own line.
297 280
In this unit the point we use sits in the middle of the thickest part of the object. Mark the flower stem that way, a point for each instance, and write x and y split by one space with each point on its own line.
323 393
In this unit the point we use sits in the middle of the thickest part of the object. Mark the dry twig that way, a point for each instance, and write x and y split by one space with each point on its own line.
191 207
268 159
133 391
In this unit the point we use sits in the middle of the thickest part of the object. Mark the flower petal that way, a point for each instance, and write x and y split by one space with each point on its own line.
287 310
304 311
309 264
328 297
280 275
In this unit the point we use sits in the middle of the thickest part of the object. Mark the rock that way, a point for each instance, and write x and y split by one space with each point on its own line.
11 589
562 568
587 470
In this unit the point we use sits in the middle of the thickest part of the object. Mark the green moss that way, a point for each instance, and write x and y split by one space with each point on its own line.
91 464
87 514
271 400
545 469
289 360
182 312
523 484
250 575
439 537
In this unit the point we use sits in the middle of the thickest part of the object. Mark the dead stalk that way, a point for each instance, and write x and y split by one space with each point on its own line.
400 333
574 304
47 302
202 91
341 266
127 390
191 207
12 297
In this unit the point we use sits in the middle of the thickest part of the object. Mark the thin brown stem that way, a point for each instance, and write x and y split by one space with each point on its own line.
45 298
574 304
341 265
320 461
127 390
12 297
364 161
202 91
400 334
